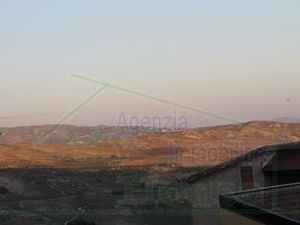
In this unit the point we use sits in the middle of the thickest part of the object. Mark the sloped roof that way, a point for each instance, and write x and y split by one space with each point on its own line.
248 156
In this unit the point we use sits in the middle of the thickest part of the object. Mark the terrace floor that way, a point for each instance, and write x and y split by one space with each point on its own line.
280 202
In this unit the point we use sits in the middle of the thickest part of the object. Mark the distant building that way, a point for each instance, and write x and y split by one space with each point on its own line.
265 166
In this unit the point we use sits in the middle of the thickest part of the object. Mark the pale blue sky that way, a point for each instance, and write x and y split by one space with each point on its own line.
236 58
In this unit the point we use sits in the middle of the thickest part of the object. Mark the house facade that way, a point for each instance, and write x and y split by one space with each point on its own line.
266 166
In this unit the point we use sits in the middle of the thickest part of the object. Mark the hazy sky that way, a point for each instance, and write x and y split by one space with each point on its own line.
239 59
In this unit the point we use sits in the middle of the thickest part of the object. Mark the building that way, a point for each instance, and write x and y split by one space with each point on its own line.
265 166
271 205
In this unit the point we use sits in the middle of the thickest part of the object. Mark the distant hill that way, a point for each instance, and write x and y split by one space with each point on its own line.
68 134
162 151
287 119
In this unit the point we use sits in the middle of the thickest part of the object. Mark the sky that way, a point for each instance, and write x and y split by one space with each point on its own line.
237 60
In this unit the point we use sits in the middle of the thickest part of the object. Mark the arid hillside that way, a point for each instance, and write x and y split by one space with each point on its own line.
159 151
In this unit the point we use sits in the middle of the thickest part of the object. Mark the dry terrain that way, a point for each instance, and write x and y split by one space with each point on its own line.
200 147
103 178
